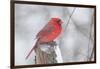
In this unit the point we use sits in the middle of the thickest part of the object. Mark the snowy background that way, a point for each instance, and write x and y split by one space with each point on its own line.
74 42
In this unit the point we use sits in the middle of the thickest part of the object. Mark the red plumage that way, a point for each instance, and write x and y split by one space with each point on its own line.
48 33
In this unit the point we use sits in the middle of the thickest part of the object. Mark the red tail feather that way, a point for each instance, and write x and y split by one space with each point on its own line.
34 47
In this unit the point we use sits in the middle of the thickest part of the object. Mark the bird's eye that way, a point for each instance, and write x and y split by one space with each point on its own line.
59 21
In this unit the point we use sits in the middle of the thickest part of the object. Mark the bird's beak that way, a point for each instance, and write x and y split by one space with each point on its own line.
60 22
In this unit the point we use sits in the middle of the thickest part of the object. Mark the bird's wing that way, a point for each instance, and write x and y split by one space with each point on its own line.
46 30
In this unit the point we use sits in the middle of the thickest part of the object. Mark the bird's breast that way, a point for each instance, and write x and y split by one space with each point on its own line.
53 35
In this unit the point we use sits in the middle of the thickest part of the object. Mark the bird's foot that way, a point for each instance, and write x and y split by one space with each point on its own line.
53 43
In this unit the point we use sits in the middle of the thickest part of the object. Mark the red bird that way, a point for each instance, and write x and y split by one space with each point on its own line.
48 33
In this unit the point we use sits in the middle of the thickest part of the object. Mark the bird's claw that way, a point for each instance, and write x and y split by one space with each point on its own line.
53 43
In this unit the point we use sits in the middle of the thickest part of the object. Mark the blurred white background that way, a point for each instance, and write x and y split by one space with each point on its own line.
74 41
5 33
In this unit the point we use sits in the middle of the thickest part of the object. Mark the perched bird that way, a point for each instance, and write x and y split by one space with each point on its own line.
48 33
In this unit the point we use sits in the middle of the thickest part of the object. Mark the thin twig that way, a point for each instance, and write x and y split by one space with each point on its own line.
70 18
78 27
89 41
90 58
91 53
35 59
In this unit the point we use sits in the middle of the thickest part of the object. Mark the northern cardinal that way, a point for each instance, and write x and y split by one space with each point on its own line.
48 33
